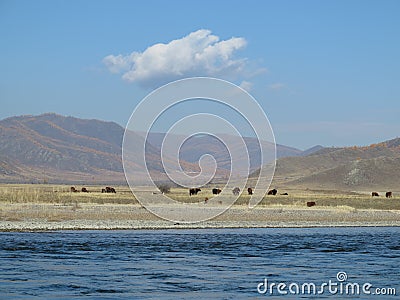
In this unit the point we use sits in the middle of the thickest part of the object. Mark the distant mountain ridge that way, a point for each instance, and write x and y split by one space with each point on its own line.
193 148
47 146
348 168
59 149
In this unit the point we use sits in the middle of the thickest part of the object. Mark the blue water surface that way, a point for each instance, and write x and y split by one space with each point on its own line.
195 264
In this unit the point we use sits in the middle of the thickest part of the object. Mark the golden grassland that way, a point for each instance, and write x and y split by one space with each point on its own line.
299 198
61 194
56 203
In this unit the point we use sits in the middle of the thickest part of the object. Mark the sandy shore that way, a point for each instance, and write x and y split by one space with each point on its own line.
42 217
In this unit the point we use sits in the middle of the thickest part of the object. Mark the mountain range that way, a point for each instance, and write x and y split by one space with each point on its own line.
376 166
57 149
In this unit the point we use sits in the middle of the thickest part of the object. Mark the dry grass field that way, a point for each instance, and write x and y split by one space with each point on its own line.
61 195
54 204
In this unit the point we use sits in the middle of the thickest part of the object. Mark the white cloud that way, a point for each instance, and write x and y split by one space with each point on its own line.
246 85
198 54
276 86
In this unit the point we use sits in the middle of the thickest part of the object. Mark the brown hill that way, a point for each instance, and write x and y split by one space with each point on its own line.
54 148
349 168
376 173
194 147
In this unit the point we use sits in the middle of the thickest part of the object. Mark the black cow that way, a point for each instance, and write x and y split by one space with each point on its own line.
194 191
216 191
311 203
250 191
84 190
73 189
273 192
389 194
375 194
108 189
236 191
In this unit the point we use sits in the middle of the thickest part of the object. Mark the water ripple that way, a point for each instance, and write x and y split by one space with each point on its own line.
181 264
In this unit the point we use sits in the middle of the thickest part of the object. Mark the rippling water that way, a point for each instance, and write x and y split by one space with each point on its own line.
184 264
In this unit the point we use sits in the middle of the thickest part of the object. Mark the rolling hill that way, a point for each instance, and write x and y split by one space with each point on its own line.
194 147
58 149
350 168
54 148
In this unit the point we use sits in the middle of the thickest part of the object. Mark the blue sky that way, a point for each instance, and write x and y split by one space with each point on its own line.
325 72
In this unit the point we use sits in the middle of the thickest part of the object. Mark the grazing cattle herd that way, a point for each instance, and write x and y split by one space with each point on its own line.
108 189
387 195
273 192
217 191
235 191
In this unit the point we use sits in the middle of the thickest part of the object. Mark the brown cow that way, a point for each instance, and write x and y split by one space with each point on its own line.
216 191
375 194
73 189
250 191
194 191
311 203
108 189
389 194
273 192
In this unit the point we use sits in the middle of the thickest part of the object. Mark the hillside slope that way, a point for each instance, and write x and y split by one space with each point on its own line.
54 148
347 168
377 173
194 147
59 149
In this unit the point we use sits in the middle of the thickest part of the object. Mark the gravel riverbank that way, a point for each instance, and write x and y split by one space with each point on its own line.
42 217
